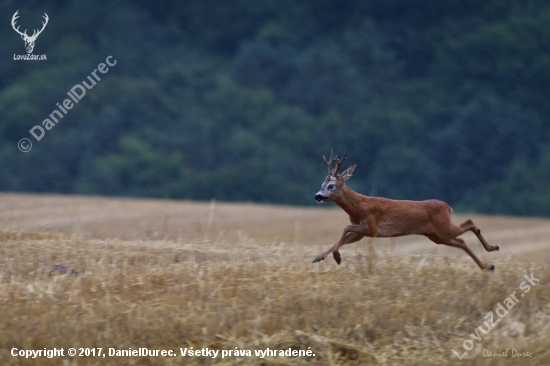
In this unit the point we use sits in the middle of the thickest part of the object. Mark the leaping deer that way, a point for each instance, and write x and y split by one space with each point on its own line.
382 218
29 41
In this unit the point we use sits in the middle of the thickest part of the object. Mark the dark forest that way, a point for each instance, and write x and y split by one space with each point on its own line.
239 100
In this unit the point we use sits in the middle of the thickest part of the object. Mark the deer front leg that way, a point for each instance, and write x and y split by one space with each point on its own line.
351 234
349 238
360 230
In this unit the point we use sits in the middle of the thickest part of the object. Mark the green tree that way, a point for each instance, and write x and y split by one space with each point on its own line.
480 144
405 173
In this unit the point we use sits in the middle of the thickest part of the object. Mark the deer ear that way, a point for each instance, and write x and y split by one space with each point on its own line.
348 173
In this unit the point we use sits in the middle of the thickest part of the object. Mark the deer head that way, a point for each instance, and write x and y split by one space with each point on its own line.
335 181
29 40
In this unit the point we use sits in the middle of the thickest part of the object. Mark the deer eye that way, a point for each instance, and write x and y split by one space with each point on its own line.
330 186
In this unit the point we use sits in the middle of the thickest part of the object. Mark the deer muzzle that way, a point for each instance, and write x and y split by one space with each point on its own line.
320 198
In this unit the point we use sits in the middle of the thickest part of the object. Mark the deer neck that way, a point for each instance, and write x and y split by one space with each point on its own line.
349 201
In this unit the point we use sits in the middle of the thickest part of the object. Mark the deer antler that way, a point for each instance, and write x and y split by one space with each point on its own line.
35 34
24 34
13 20
339 162
329 162
333 170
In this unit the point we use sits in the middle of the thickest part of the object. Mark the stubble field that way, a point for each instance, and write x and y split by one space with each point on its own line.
92 272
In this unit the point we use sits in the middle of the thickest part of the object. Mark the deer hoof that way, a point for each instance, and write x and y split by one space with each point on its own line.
318 259
337 257
496 247
491 267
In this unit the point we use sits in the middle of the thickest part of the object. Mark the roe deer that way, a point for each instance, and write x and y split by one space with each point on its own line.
383 218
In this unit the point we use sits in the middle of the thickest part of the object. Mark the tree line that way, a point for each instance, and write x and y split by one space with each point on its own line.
240 100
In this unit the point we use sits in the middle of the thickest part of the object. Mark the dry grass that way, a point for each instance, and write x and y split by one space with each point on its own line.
165 275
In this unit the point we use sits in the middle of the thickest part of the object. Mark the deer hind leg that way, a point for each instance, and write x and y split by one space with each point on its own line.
469 225
443 227
459 243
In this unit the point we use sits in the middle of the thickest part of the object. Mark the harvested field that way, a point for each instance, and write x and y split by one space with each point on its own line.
94 272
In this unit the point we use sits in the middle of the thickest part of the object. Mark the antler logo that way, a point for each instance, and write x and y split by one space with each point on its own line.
29 40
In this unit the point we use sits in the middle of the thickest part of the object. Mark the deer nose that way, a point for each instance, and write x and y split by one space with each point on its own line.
320 198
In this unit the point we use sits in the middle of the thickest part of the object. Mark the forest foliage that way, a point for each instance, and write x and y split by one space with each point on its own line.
240 100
